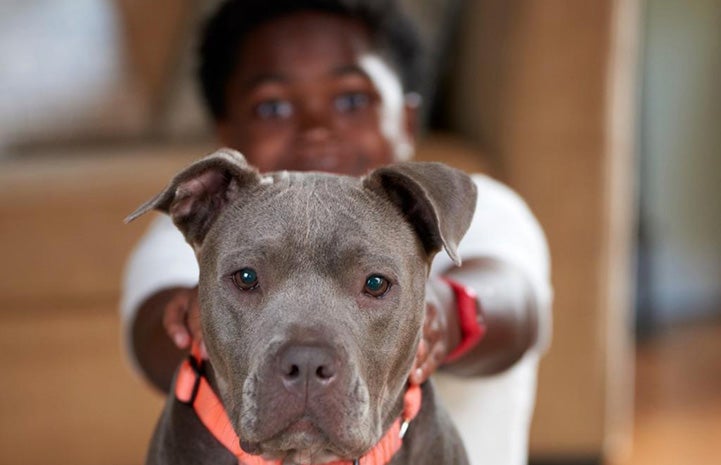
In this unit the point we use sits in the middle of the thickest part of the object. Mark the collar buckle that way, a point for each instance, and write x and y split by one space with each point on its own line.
404 428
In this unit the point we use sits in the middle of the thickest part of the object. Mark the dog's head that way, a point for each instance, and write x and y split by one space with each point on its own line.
312 289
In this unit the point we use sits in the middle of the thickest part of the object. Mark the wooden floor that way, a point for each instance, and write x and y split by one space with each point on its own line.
678 398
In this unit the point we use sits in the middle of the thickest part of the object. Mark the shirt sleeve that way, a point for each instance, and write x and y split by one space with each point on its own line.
503 228
162 259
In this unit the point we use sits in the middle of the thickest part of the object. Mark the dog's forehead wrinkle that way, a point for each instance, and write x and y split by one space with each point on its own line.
317 223
329 224
317 201
315 208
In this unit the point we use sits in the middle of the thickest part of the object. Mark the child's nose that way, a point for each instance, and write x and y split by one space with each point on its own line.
316 122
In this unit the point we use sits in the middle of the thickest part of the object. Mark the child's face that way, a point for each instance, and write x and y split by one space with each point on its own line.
309 93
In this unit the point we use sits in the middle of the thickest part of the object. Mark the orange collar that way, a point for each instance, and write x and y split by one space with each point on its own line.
192 388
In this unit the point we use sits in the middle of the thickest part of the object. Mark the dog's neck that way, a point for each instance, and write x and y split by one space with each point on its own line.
194 387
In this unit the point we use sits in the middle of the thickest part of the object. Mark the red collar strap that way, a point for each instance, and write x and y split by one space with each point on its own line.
192 388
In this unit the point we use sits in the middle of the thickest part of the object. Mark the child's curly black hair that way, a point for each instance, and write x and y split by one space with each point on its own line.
393 34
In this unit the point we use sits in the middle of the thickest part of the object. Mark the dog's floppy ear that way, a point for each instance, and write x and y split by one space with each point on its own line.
436 199
195 197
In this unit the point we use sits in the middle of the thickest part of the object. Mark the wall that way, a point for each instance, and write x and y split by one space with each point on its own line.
681 160
547 88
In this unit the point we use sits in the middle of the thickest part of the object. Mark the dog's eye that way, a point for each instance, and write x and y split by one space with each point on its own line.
376 285
245 279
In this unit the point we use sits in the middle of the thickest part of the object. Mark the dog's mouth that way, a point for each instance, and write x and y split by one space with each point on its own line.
301 443
303 457
325 425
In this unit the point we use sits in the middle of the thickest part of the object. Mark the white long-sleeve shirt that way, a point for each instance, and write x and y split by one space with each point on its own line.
492 413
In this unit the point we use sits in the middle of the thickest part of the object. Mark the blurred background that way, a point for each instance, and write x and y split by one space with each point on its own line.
603 114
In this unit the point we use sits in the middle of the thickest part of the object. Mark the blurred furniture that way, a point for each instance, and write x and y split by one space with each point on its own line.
543 89
546 87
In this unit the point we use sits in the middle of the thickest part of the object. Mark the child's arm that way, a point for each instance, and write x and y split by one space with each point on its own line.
158 291
509 313
161 333
505 261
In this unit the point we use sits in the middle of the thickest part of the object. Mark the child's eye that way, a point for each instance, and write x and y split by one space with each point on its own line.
351 101
273 109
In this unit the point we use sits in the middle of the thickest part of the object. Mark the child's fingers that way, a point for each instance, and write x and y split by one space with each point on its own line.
432 349
416 375
429 365
203 351
192 316
174 321
433 327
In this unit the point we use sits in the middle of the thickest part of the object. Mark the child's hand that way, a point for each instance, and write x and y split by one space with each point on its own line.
181 319
441 332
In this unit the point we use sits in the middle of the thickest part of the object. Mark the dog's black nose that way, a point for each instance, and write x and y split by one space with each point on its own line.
307 367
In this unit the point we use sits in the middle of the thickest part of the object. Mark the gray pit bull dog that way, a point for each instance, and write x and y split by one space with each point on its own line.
312 289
